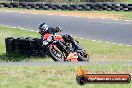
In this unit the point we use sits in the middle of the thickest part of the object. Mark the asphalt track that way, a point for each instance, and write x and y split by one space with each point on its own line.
114 31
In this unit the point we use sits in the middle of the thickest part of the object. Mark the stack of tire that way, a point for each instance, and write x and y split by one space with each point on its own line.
25 46
5 5
80 7
1 5
10 45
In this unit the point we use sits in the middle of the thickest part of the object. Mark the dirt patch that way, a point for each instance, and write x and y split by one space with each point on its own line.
89 14
79 14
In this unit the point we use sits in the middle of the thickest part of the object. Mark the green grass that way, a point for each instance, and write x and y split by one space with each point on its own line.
97 51
56 76
128 1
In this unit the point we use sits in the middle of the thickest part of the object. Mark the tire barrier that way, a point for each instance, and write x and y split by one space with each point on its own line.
25 46
9 42
79 7
1 6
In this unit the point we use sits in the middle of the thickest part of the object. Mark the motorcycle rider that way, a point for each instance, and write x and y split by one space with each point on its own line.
44 28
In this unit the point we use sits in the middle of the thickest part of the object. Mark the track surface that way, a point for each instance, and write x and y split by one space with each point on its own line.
97 29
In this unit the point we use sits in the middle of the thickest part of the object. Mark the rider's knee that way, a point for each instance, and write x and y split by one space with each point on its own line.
68 38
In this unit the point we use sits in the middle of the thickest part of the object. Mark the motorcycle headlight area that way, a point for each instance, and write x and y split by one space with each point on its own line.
49 39
45 43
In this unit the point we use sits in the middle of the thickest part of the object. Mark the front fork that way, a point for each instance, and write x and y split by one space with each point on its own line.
76 45
61 46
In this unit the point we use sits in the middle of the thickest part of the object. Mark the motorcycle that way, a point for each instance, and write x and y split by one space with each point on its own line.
61 50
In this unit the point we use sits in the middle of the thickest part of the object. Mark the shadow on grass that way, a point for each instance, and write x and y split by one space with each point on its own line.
13 57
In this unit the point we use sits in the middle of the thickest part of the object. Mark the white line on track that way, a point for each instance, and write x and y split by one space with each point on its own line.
116 19
22 12
99 41
81 38
103 18
107 42
120 44
9 11
128 45
62 15
113 43
35 13
50 14
18 28
77 16
91 17
93 40
127 20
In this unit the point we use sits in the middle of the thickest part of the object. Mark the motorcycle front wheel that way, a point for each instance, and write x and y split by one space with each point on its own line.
55 53
83 56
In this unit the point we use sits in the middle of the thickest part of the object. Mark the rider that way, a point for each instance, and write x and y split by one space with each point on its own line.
44 28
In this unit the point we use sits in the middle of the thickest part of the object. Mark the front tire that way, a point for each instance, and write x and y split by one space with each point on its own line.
83 56
55 54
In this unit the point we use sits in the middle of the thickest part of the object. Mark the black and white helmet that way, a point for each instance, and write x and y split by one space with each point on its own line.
43 28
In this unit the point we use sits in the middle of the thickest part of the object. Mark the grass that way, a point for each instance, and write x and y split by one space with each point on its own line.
128 1
97 51
56 76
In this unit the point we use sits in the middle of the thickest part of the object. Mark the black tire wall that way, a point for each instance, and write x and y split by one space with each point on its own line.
25 46
10 45
80 7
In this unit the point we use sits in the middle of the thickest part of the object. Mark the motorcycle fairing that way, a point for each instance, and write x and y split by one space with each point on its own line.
72 57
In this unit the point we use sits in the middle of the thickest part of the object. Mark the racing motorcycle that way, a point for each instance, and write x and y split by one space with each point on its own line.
61 50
